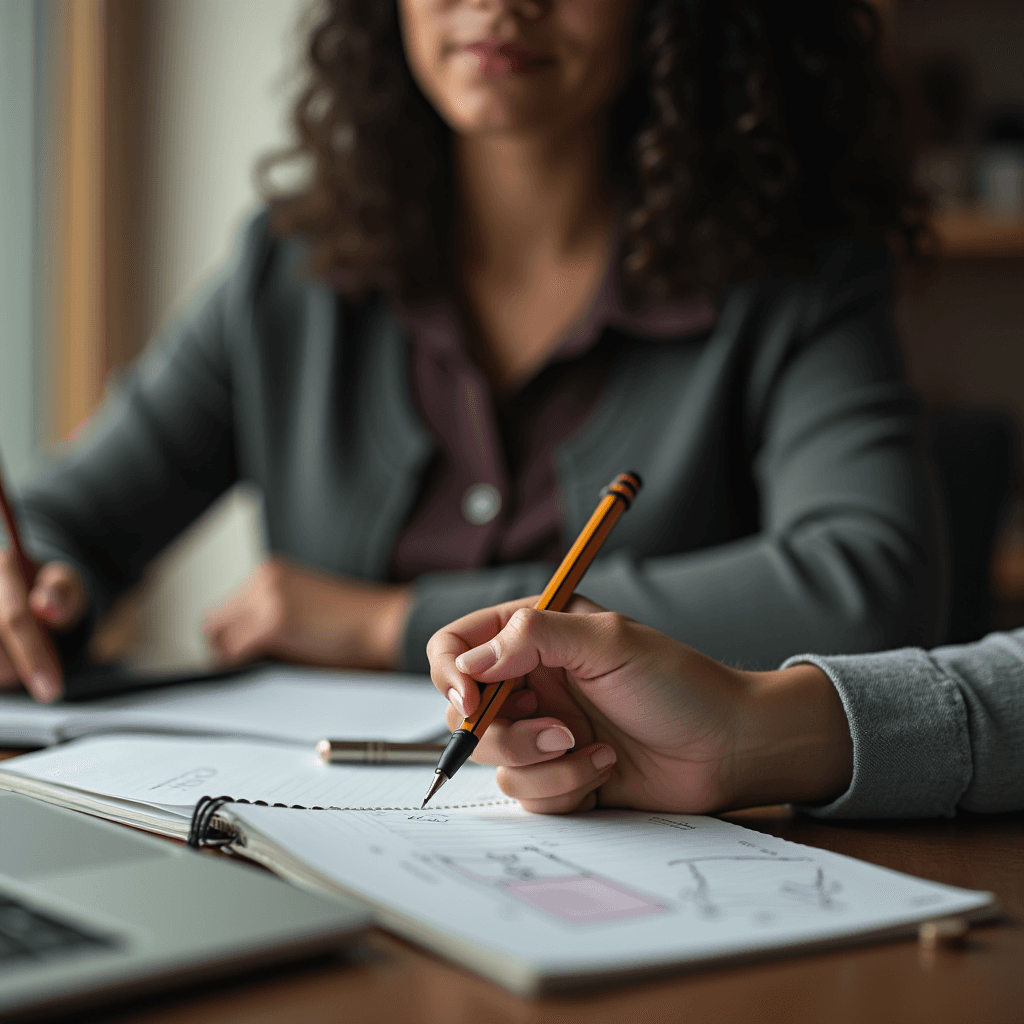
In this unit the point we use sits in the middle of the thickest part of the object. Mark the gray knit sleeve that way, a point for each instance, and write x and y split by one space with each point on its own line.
932 731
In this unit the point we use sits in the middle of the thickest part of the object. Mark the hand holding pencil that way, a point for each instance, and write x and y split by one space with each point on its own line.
609 711
599 711
33 598
596 708
616 498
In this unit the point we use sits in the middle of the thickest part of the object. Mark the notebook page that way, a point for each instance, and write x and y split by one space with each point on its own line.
602 891
173 773
291 705
25 722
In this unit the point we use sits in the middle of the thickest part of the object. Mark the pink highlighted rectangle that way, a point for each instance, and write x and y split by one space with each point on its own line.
582 898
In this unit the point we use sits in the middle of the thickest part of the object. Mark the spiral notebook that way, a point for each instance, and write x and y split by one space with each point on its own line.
542 903
535 903
153 782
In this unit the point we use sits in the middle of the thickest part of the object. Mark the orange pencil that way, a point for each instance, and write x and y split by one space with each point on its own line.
615 499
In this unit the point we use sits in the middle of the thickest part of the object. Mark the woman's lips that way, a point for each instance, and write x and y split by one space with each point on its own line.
505 59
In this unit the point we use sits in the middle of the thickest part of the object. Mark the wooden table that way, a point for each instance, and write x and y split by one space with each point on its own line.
389 980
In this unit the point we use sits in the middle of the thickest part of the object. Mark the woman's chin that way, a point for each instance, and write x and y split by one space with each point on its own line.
497 114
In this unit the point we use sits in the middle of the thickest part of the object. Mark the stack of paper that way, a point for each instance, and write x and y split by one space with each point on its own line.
289 705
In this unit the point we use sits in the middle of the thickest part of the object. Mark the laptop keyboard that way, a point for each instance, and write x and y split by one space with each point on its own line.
28 935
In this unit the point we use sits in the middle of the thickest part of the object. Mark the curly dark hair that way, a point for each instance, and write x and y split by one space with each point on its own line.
748 130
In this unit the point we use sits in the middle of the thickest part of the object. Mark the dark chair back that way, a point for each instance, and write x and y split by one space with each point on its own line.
974 452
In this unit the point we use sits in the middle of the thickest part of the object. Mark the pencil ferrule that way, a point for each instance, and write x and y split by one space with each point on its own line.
625 486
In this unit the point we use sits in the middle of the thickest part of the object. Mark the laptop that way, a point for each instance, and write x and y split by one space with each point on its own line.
91 911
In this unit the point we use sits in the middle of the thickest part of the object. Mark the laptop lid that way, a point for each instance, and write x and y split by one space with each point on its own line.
92 911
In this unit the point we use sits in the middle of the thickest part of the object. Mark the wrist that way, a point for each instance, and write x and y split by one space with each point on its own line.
389 619
794 744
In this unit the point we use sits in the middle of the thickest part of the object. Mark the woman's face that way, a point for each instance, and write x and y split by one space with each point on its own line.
518 66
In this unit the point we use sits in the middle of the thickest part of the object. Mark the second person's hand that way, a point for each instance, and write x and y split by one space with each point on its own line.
58 600
614 713
287 611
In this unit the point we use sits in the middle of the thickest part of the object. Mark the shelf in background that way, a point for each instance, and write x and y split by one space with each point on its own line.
1008 570
974 233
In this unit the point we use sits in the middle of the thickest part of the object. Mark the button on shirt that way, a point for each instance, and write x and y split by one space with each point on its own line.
490 495
481 503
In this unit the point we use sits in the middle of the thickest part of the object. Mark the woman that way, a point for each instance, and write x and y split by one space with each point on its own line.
543 241
614 713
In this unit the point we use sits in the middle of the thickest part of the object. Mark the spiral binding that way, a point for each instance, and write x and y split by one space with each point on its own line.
201 831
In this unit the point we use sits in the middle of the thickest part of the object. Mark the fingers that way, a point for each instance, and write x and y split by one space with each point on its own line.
558 787
457 638
586 645
8 674
518 705
474 632
249 623
58 596
570 803
241 631
26 646
525 742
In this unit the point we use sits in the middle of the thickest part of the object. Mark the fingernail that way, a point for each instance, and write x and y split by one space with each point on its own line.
45 686
555 738
477 660
456 701
603 757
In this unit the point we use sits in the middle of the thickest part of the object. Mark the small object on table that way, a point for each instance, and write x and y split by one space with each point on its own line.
943 933
378 752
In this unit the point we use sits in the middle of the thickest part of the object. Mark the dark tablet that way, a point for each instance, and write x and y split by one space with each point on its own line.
85 681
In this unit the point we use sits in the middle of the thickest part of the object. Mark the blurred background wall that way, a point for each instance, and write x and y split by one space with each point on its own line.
221 82
961 69
130 128
21 337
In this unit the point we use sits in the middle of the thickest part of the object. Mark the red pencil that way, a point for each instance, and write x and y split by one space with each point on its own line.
28 567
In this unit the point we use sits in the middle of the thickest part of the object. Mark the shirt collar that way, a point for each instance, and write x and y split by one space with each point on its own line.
437 329
652 319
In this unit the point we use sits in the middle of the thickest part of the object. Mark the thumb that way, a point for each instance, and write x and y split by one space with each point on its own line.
58 595
585 645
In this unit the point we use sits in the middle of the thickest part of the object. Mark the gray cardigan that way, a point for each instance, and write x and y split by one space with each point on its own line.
786 505
932 732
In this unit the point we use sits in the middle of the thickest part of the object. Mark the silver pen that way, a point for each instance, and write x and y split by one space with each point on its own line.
378 752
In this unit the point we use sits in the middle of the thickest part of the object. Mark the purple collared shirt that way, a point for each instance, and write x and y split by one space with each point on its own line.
490 495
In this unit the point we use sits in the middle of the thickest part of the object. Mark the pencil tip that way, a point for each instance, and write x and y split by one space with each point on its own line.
439 780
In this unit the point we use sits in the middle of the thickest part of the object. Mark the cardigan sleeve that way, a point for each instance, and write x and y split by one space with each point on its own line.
159 451
846 556
932 732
